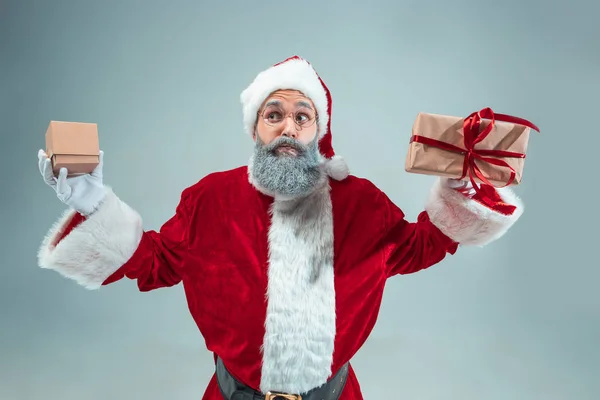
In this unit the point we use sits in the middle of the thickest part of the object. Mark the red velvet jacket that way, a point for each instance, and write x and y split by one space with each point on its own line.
284 295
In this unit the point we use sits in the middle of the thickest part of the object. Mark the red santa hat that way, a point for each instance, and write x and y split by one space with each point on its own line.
295 73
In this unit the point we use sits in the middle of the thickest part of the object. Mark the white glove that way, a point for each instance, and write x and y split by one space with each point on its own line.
83 193
459 185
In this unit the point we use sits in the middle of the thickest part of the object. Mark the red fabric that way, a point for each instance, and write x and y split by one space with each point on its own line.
160 257
216 244
76 220
325 144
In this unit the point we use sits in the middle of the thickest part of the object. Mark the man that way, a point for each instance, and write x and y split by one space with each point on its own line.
283 261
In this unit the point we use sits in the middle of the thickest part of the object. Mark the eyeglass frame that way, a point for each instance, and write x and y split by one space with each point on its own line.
298 126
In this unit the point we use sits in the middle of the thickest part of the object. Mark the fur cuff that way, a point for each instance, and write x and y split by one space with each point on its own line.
467 221
95 248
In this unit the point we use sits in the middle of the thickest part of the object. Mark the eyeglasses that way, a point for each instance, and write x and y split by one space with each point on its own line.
275 117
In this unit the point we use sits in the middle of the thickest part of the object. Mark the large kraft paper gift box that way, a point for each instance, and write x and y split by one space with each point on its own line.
73 145
440 146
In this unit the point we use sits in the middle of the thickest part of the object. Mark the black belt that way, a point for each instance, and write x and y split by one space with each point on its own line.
232 389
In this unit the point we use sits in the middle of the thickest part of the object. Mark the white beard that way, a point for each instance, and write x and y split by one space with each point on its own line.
283 176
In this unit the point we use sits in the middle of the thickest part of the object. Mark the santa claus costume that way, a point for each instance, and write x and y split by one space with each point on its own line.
284 291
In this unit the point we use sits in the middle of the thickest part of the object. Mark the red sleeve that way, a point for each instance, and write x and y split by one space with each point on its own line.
111 243
159 258
412 246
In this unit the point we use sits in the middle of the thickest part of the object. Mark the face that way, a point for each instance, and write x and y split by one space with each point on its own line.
286 159
286 113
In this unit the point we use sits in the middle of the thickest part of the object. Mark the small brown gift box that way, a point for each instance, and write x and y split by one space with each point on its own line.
73 145
430 159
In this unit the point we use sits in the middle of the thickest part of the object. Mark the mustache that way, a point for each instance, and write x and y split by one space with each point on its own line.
287 142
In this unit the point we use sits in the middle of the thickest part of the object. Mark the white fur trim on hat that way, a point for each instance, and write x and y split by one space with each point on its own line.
293 74
337 168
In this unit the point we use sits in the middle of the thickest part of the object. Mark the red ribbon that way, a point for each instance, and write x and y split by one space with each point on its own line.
472 136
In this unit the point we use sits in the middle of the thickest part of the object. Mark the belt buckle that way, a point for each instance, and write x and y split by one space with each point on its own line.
282 396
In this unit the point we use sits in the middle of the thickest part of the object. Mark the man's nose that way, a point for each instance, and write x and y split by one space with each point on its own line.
289 127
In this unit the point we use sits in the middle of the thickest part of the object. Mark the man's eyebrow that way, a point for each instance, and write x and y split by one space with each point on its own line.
278 103
273 103
304 104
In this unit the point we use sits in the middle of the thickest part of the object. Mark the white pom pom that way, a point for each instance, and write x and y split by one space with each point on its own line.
337 168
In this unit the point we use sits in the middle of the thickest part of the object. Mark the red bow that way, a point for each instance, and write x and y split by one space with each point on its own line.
472 136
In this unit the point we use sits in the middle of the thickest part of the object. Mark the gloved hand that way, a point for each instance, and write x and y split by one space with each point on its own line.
464 187
83 193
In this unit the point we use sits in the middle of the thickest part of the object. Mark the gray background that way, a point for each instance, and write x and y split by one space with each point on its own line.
517 320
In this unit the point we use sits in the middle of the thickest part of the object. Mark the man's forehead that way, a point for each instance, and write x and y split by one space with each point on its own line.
288 96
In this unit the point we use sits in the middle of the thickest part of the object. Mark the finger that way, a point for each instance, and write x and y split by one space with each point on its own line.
41 162
48 174
97 172
42 157
63 188
455 183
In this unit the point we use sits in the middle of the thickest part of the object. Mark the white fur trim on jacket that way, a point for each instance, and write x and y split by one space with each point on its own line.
97 247
294 74
300 327
466 221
